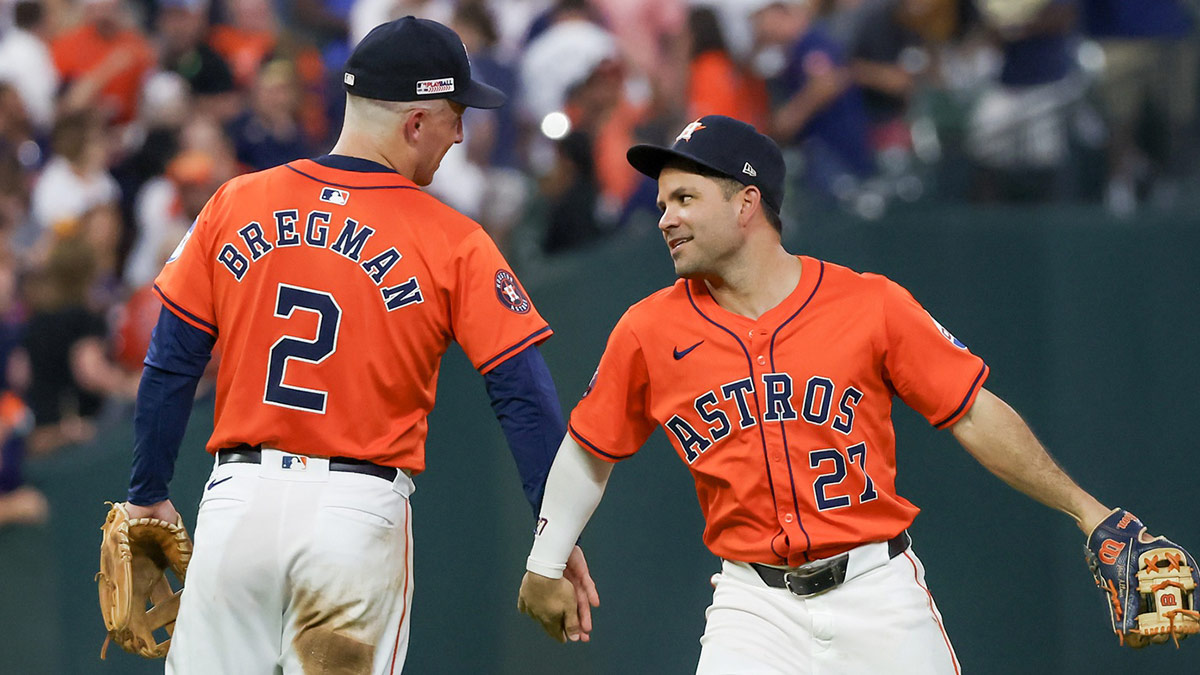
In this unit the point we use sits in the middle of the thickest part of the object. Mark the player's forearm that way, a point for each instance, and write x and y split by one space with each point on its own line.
175 361
1001 441
573 491
526 404
164 403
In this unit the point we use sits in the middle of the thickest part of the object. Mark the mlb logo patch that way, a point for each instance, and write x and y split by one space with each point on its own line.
293 463
334 196
442 86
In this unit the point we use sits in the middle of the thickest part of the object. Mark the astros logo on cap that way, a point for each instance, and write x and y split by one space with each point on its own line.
686 134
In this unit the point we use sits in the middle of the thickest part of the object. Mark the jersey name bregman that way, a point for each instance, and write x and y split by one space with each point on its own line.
817 407
349 243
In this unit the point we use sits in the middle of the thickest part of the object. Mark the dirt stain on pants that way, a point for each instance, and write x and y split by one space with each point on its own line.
325 641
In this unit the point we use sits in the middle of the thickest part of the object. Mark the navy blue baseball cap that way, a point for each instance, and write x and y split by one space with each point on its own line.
730 147
413 59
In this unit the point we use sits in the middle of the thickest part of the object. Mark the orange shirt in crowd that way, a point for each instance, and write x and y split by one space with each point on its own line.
123 60
717 86
243 50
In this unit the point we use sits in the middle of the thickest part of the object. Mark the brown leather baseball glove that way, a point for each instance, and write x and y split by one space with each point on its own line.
136 598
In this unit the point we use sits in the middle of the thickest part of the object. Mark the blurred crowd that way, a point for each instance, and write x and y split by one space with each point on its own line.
119 118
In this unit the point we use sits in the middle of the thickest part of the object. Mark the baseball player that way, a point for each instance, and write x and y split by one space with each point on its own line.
773 376
332 288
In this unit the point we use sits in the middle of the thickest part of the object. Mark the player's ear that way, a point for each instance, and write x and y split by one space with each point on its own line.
414 122
750 202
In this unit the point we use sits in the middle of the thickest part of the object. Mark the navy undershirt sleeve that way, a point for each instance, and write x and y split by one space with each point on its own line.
526 404
176 359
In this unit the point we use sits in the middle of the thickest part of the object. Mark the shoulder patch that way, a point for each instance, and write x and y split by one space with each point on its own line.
591 384
182 242
509 292
947 334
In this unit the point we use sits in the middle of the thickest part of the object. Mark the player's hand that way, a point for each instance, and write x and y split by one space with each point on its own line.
552 603
163 510
586 596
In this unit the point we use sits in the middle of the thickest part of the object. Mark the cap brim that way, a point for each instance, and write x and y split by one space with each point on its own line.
650 159
479 95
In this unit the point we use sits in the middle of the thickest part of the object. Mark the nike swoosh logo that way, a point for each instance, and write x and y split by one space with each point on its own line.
681 354
215 483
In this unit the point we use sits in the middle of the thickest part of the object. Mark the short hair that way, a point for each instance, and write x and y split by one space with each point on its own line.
377 112
729 186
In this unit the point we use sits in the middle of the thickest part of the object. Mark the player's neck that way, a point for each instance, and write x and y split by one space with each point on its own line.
352 145
757 283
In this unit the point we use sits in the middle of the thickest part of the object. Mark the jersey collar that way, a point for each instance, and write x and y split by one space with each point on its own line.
812 270
342 171
347 163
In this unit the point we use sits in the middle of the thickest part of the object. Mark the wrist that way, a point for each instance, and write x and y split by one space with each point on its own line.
548 570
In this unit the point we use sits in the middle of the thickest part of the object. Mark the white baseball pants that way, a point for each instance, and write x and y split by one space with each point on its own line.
297 569
881 620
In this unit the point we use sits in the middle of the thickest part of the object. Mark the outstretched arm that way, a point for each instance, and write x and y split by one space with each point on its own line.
573 491
526 405
999 439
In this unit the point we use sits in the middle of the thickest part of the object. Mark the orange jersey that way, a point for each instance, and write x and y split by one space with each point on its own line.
784 421
333 294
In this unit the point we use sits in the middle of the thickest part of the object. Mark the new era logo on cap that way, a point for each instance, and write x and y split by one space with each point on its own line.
441 86
348 78
749 170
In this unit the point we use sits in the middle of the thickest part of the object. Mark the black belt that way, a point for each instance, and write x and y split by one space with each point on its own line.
821 575
252 454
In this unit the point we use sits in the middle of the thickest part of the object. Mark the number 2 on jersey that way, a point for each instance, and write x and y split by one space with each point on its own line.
316 350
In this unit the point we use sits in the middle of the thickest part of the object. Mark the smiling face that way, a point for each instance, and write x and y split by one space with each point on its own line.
699 223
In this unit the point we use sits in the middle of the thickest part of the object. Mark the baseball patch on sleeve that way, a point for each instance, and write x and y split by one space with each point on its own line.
182 242
509 293
947 334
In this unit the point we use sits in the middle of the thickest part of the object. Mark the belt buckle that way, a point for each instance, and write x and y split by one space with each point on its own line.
813 581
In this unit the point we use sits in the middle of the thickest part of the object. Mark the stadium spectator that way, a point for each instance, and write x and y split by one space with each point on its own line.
76 178
1019 134
886 59
26 62
19 503
182 35
103 61
717 83
269 132
1151 62
482 176
248 40
65 345
816 106
166 208
653 43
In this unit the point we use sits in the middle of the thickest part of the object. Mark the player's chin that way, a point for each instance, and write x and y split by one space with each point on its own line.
423 179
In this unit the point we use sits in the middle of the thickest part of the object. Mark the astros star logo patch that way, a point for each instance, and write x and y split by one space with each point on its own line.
686 134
